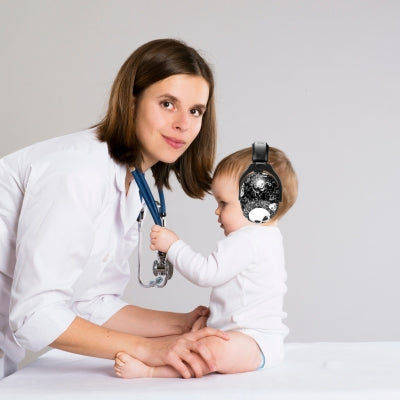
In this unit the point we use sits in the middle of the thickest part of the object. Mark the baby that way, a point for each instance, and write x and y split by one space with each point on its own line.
246 273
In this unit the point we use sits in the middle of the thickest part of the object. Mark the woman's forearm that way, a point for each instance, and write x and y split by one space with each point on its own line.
126 330
84 337
150 323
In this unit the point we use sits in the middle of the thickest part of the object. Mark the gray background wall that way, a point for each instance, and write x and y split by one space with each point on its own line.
319 79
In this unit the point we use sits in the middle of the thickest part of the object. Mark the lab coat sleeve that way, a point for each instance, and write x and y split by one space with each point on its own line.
54 240
231 256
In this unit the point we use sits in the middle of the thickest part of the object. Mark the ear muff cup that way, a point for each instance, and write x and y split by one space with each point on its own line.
259 196
260 189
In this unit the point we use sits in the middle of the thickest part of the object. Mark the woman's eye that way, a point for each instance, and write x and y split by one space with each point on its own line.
167 104
196 112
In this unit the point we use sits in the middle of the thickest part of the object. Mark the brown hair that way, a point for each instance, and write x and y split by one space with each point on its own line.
236 164
150 63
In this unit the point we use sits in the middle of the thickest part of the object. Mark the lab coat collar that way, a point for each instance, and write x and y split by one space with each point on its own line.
130 204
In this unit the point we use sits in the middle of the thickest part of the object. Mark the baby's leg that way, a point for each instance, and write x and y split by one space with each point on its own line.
238 354
126 366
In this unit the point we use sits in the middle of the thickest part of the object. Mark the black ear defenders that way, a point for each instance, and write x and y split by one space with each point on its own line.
260 189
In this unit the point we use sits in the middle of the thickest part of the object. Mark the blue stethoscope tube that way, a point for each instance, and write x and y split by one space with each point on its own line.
146 194
162 268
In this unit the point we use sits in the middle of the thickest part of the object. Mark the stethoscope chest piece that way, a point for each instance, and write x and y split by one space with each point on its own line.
162 267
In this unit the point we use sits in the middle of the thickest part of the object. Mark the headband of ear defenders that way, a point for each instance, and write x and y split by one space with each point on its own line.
260 189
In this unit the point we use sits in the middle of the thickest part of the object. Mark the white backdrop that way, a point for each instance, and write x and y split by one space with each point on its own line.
319 79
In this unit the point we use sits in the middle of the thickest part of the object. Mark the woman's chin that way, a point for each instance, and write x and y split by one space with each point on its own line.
170 158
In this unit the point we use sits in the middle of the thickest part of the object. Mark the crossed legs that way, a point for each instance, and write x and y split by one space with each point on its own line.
239 354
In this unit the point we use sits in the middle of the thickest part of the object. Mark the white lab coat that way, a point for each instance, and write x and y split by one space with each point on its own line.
67 230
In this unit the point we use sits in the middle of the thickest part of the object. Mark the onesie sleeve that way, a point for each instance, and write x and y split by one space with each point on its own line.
55 237
232 255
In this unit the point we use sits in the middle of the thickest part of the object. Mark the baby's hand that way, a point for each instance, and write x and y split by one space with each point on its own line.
161 238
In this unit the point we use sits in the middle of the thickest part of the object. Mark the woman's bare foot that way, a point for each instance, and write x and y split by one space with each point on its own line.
126 366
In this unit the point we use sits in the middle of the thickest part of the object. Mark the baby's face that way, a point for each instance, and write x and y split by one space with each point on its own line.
226 192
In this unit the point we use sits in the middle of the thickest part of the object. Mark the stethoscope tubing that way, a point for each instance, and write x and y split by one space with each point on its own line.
162 268
148 197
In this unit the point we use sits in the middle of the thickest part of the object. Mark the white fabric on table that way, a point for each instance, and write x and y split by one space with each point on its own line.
322 371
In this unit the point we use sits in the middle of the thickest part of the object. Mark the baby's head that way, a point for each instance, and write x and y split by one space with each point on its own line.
225 187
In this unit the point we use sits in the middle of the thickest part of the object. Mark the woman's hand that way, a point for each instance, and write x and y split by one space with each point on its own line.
186 353
200 323
196 319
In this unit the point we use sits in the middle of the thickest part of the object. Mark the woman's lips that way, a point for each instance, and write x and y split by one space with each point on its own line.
174 143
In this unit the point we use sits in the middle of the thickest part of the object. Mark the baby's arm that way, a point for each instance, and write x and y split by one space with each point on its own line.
161 238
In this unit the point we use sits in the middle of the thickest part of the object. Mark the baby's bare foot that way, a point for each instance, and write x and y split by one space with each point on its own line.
126 366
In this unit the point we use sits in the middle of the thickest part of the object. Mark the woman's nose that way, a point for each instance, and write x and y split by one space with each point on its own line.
217 211
181 121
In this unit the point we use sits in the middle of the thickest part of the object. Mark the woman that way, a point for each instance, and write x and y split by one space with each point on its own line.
68 218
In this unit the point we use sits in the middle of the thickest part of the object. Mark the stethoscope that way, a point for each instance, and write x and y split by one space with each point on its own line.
162 268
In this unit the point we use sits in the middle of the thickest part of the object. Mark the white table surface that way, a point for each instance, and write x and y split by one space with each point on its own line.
311 371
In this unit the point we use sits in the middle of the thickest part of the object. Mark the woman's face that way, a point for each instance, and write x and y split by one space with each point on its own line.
168 117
